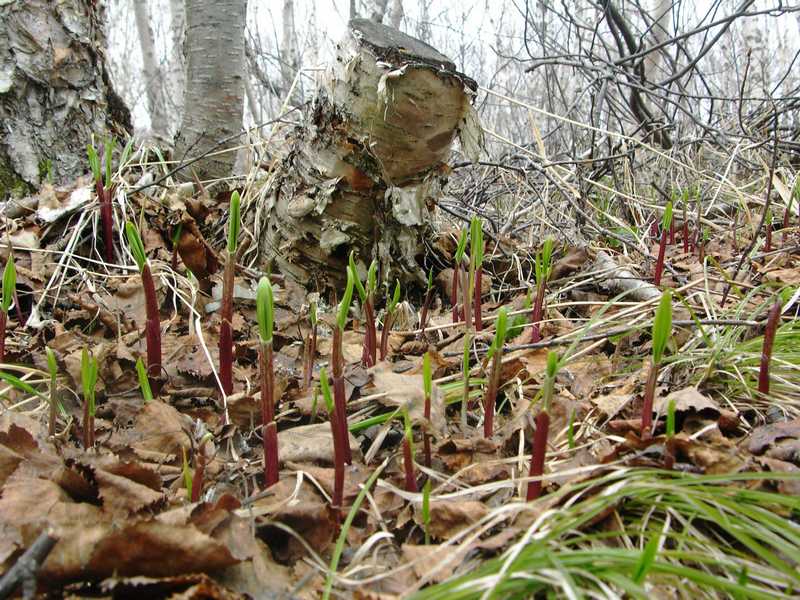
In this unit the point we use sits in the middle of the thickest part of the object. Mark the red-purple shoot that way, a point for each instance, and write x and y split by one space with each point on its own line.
426 304
496 353
89 382
542 422
388 321
685 232
662 326
662 246
542 268
337 366
459 257
310 352
226 311
338 444
9 286
104 195
427 383
265 311
408 454
768 233
476 256
153 323
766 350
200 468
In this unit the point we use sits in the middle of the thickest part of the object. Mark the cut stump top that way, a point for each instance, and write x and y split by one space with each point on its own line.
396 47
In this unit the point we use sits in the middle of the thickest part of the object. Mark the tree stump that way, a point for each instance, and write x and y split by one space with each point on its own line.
366 168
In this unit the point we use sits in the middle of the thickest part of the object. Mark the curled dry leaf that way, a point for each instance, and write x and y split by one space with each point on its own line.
311 444
449 517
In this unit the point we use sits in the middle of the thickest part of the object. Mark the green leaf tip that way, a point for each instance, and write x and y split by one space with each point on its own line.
144 382
476 240
351 268
52 363
395 298
462 246
501 328
552 364
326 390
94 161
234 222
9 283
667 219
265 310
662 325
136 245
344 305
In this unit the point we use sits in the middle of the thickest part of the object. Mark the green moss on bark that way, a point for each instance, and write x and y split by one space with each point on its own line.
11 184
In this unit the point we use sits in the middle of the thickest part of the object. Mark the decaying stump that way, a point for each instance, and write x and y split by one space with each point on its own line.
367 166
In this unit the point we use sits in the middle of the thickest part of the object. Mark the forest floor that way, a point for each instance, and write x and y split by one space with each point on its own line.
170 501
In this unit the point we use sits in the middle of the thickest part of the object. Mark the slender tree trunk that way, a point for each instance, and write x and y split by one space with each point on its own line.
153 75
290 60
397 14
55 91
214 96
177 71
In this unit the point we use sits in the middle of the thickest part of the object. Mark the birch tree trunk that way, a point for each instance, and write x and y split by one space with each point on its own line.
214 95
152 74
55 91
365 170
290 60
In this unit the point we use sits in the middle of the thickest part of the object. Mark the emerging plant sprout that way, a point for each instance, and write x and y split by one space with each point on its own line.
9 287
104 194
153 323
457 260
52 367
768 231
542 268
337 365
88 381
388 321
662 326
465 375
338 443
496 354
766 350
226 311
367 296
476 259
427 383
426 304
144 382
264 313
310 347
542 426
426 510
666 224
199 467
408 454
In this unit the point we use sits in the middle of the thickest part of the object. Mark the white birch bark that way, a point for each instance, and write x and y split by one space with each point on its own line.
152 74
214 96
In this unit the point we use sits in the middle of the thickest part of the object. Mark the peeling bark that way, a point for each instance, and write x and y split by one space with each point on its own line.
54 90
366 168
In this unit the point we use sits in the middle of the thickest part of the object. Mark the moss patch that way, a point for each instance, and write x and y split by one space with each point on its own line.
11 184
